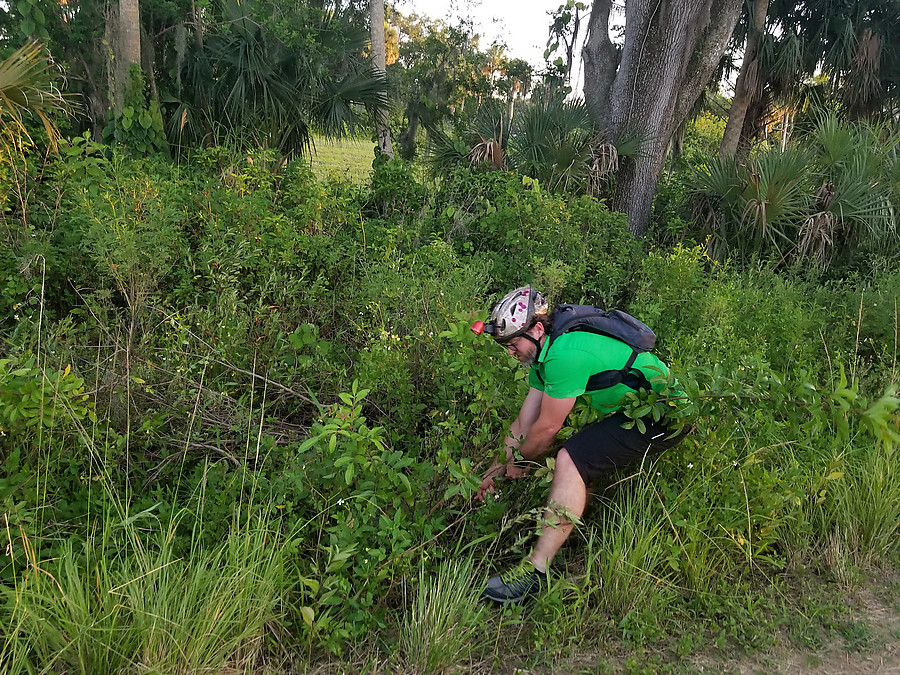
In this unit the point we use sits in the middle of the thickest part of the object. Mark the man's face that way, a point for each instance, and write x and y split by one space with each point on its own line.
523 349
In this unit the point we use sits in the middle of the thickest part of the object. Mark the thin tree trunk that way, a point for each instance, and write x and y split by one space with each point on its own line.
198 27
382 127
408 139
746 86
148 63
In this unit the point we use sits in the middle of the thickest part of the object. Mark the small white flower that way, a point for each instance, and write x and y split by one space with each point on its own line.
340 501
691 465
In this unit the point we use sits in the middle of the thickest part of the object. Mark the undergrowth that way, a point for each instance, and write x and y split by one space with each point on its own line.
242 416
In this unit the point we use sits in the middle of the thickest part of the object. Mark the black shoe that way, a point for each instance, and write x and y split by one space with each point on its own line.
520 583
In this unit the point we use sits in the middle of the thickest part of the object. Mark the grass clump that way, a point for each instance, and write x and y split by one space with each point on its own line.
444 626
122 601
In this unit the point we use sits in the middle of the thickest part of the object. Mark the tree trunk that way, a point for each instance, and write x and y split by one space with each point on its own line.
129 42
408 139
600 62
148 63
382 128
129 31
670 53
124 30
746 87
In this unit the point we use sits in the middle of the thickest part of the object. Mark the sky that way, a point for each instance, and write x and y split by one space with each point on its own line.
522 24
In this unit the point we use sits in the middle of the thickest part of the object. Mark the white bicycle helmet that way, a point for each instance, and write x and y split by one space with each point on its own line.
514 313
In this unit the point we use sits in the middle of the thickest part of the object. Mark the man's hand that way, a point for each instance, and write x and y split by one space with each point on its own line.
515 472
487 483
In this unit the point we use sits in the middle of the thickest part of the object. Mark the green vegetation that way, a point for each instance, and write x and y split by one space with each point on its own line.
243 415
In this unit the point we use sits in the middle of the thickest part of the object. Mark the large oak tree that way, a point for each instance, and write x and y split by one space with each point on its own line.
647 87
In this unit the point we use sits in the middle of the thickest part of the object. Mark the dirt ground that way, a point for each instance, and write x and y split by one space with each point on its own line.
875 648
859 634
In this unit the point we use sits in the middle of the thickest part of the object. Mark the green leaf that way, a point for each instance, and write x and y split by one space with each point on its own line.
308 615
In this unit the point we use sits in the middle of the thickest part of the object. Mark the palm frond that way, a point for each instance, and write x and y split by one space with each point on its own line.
631 143
552 143
337 110
444 153
775 197
836 142
28 87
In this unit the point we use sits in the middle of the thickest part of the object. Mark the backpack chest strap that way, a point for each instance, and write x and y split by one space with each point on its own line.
627 375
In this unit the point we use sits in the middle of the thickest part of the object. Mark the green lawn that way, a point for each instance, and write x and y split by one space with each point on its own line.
346 158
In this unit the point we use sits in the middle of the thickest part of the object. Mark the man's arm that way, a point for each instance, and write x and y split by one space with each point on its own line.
518 430
553 413
528 415
540 419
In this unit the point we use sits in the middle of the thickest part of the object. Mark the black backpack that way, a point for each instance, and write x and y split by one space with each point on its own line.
615 324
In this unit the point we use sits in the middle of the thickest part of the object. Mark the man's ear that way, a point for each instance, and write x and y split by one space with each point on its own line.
539 331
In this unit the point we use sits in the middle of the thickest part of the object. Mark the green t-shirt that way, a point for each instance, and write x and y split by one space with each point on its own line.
562 371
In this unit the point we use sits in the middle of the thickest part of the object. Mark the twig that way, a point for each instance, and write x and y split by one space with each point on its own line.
261 378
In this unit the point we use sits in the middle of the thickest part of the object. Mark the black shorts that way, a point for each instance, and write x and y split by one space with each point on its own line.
605 445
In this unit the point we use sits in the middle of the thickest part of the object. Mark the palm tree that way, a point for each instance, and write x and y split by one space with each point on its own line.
849 46
747 83
248 82
815 201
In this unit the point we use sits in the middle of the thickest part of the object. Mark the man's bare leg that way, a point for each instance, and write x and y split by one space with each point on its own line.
568 495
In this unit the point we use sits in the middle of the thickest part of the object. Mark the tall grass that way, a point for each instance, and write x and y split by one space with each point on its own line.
861 523
443 628
626 550
123 600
